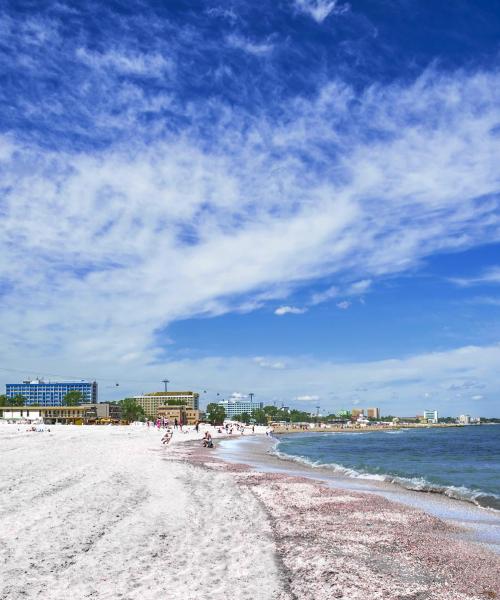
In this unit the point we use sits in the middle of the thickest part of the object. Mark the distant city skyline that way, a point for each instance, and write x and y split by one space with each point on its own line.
300 200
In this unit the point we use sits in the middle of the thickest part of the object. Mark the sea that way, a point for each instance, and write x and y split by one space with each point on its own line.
460 462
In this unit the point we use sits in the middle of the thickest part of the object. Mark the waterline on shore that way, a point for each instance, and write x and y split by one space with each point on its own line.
478 524
417 484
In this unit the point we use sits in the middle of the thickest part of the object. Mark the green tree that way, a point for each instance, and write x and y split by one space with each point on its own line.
4 401
300 416
260 416
131 411
245 418
17 400
72 398
272 411
216 413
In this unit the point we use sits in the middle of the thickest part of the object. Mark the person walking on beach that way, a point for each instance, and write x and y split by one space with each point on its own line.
175 423
197 426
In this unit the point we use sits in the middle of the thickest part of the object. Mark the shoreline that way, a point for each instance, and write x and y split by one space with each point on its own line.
480 524
345 543
369 428
115 514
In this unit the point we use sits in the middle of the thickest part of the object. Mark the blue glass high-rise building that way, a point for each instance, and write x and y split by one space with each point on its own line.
51 393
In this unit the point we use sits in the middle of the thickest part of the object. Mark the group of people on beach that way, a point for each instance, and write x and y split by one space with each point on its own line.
230 427
227 428
165 424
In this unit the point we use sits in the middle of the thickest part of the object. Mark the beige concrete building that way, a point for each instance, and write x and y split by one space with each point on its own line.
186 416
373 413
356 412
84 413
151 402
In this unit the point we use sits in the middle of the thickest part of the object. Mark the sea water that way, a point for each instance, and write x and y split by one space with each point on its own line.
460 462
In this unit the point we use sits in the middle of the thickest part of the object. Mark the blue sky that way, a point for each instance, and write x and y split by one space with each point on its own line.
295 198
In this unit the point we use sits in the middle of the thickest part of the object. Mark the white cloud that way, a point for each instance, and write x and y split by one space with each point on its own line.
351 289
477 397
358 287
269 364
289 310
319 10
247 45
307 398
344 305
124 61
223 13
100 250
328 294
491 275
488 300
397 386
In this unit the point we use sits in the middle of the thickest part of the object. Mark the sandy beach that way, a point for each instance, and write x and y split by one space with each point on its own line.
95 512
109 512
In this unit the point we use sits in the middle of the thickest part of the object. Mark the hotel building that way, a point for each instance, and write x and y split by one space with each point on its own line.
431 416
373 413
51 393
186 416
238 407
151 402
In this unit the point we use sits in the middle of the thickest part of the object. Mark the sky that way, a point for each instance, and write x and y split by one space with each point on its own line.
294 198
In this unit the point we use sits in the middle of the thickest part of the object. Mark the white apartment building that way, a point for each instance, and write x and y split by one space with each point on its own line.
237 407
431 416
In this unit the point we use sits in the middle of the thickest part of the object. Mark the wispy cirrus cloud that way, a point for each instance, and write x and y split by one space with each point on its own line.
344 305
488 276
289 310
356 288
265 363
208 211
319 10
126 206
249 46
123 61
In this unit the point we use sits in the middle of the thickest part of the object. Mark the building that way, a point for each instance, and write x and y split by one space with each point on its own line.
85 413
51 393
431 416
186 416
151 402
356 412
464 419
373 413
109 411
238 407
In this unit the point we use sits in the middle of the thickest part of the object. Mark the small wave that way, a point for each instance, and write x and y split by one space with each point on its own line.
315 464
417 484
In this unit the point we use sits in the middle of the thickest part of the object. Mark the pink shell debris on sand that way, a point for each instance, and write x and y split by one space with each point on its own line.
360 546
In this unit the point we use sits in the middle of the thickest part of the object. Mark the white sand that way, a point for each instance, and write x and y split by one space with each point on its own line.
96 512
